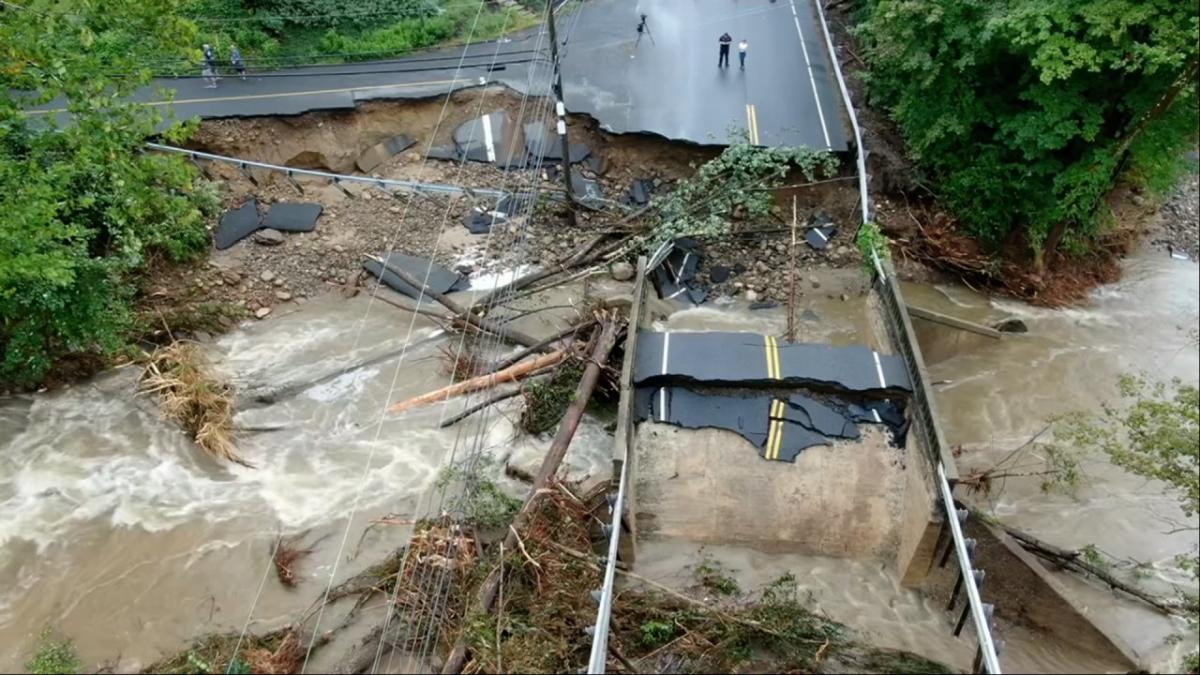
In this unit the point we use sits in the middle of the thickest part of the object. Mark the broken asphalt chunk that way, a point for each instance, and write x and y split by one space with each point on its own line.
437 278
237 224
381 152
586 190
818 237
289 217
544 145
443 152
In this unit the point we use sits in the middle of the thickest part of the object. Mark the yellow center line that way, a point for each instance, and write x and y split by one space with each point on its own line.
767 354
283 94
775 357
775 438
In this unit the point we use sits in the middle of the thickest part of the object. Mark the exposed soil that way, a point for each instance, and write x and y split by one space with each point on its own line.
254 276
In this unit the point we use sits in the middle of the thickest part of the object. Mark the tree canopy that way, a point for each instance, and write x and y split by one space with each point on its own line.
1024 111
82 207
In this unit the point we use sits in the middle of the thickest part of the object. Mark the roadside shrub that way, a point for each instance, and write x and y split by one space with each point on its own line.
85 207
54 654
739 180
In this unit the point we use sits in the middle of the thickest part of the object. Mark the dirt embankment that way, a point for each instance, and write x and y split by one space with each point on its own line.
255 274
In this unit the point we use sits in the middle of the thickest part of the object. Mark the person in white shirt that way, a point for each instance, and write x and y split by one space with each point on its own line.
742 47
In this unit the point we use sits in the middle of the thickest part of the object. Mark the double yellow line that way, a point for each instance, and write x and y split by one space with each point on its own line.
774 429
752 123
775 417
771 347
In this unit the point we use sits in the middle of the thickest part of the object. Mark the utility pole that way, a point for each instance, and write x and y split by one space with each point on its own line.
561 110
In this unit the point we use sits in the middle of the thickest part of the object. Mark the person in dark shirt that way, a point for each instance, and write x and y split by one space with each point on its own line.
235 57
723 57
210 67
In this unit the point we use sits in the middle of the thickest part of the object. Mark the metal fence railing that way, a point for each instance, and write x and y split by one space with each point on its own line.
622 459
924 418
335 178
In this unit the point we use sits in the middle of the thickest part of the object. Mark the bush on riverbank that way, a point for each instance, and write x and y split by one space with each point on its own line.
1025 113
85 209
280 33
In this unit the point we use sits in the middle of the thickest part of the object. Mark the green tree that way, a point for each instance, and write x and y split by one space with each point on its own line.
1024 111
1154 433
82 207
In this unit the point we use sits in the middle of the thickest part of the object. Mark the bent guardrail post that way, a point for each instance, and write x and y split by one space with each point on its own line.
622 529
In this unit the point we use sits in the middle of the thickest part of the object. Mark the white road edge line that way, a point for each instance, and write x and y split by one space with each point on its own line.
811 79
488 141
879 370
662 393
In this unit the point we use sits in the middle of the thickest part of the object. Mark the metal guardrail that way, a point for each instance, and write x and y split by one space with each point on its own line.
622 451
925 418
336 178
861 158
901 331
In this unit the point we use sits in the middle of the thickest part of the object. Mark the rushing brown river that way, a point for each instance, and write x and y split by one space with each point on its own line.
119 533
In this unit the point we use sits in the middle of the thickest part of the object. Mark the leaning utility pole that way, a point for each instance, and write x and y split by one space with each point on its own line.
561 110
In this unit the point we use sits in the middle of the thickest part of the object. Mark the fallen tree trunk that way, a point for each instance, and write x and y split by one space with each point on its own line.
562 334
458 310
554 456
1075 561
481 382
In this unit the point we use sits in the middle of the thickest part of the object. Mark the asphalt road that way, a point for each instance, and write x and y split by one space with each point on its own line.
667 83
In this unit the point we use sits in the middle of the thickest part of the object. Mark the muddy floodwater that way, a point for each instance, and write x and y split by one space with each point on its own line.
119 533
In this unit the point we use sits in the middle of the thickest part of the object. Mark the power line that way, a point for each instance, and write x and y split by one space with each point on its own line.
431 616
395 377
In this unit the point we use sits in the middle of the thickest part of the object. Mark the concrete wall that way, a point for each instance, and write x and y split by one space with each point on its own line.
710 485
922 523
920 519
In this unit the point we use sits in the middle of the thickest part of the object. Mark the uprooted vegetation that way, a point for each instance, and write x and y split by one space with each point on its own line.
547 605
547 399
280 651
193 396
544 604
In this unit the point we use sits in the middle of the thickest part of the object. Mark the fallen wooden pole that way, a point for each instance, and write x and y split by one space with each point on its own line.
558 449
481 382
953 322
460 312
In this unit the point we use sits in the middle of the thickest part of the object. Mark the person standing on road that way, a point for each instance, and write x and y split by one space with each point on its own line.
742 47
210 67
723 55
235 57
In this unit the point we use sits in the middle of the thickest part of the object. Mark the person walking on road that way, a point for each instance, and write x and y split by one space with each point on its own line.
210 67
723 55
742 47
235 57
